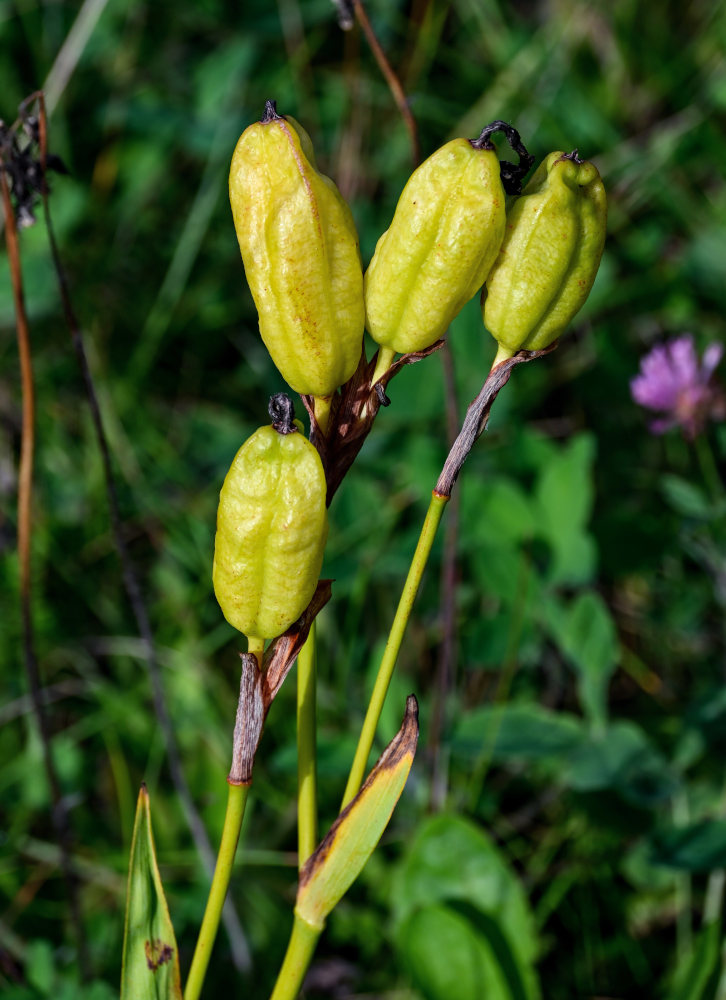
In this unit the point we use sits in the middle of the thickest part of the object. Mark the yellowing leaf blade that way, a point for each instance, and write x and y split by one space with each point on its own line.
339 859
150 958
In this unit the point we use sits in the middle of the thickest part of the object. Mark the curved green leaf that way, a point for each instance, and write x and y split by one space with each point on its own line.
339 859
698 976
462 917
151 958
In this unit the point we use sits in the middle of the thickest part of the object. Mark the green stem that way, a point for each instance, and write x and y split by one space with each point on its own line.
709 469
236 802
503 354
321 408
307 812
299 952
385 360
393 645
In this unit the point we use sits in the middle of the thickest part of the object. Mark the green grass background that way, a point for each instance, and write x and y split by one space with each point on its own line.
580 841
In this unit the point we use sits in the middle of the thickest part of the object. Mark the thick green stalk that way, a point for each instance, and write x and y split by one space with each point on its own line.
385 360
393 645
321 407
299 952
236 802
307 810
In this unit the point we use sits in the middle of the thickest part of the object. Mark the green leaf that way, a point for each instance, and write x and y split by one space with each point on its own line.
40 966
699 847
151 957
500 571
565 495
685 498
574 559
454 878
442 954
623 759
697 976
339 859
518 732
496 509
586 634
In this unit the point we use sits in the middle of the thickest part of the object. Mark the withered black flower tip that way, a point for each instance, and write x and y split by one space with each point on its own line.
25 217
20 160
484 141
282 413
31 127
512 174
270 114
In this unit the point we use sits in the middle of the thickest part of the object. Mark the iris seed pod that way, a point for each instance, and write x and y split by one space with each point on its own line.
272 525
444 237
301 255
549 257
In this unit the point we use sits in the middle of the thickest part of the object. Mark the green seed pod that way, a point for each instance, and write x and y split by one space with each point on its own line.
301 255
550 255
444 237
272 525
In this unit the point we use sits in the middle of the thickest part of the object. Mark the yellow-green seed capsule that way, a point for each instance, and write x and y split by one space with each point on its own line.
301 255
444 237
549 257
272 525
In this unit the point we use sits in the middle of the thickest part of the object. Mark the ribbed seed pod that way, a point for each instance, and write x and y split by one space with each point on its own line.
301 255
549 257
444 237
272 525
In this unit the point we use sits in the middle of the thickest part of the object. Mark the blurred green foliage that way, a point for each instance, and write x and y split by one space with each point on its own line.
582 844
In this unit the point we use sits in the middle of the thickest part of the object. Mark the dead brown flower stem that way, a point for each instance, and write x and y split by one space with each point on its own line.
59 812
394 84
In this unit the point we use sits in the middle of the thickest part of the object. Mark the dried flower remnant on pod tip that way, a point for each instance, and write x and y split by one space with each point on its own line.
512 174
282 413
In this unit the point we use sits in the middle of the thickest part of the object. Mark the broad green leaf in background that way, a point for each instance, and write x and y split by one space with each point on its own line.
42 975
699 847
621 759
564 496
150 958
462 916
685 497
517 732
706 715
498 510
501 572
497 636
586 634
442 953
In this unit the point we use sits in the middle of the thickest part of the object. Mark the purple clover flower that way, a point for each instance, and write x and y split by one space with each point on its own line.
673 380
